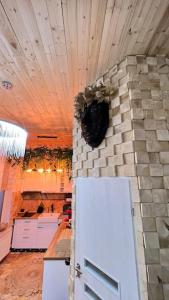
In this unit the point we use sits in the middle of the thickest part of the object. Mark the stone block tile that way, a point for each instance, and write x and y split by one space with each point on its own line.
123 89
88 164
127 147
115 102
146 196
154 157
139 134
150 124
159 114
95 172
106 152
156 170
163 135
116 160
164 257
151 240
115 139
145 182
126 126
147 103
93 154
138 124
137 113
124 107
152 61
163 231
166 182
164 157
139 146
129 158
142 68
161 124
155 291
148 114
136 103
148 210
151 135
166 170
160 196
142 170
117 119
126 170
83 173
152 256
165 274
154 273
157 182
166 291
128 136
131 60
134 94
152 146
149 224
100 163
141 157
108 172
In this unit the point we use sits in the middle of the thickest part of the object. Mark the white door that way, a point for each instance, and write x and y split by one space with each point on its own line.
105 259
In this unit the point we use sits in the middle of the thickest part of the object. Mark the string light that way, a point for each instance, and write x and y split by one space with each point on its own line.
40 170
59 170
12 140
29 170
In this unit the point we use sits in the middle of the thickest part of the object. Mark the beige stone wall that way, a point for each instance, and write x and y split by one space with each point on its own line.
137 146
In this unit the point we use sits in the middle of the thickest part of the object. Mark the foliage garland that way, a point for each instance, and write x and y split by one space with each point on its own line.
44 153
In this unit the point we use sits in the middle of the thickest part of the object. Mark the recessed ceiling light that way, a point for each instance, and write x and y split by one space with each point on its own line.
7 85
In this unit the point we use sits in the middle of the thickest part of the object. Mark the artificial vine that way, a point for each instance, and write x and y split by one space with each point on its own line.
51 156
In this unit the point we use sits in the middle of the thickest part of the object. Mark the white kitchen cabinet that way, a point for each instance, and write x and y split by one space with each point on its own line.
24 234
34 233
5 242
55 280
45 233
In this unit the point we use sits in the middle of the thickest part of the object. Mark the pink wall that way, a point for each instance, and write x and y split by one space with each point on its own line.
19 180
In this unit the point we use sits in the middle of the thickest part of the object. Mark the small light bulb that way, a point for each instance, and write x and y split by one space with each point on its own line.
59 170
48 170
29 170
40 170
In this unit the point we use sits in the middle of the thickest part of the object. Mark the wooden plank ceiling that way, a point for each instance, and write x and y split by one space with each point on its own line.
51 49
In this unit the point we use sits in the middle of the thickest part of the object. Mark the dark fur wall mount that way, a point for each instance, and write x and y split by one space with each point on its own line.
95 122
92 112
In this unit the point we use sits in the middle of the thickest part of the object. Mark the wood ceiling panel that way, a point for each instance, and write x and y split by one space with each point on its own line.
51 49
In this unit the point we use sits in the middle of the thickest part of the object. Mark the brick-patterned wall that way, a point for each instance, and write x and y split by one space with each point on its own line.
137 145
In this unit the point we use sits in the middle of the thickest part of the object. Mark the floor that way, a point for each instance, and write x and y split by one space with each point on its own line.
21 276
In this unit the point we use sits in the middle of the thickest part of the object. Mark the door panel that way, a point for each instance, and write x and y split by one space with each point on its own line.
105 248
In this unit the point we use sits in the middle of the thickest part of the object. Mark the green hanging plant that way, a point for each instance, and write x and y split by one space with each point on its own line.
52 156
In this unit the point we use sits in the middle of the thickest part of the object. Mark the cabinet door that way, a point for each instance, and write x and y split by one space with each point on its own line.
45 235
24 235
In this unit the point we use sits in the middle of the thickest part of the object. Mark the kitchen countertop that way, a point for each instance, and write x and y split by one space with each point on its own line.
36 216
59 249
